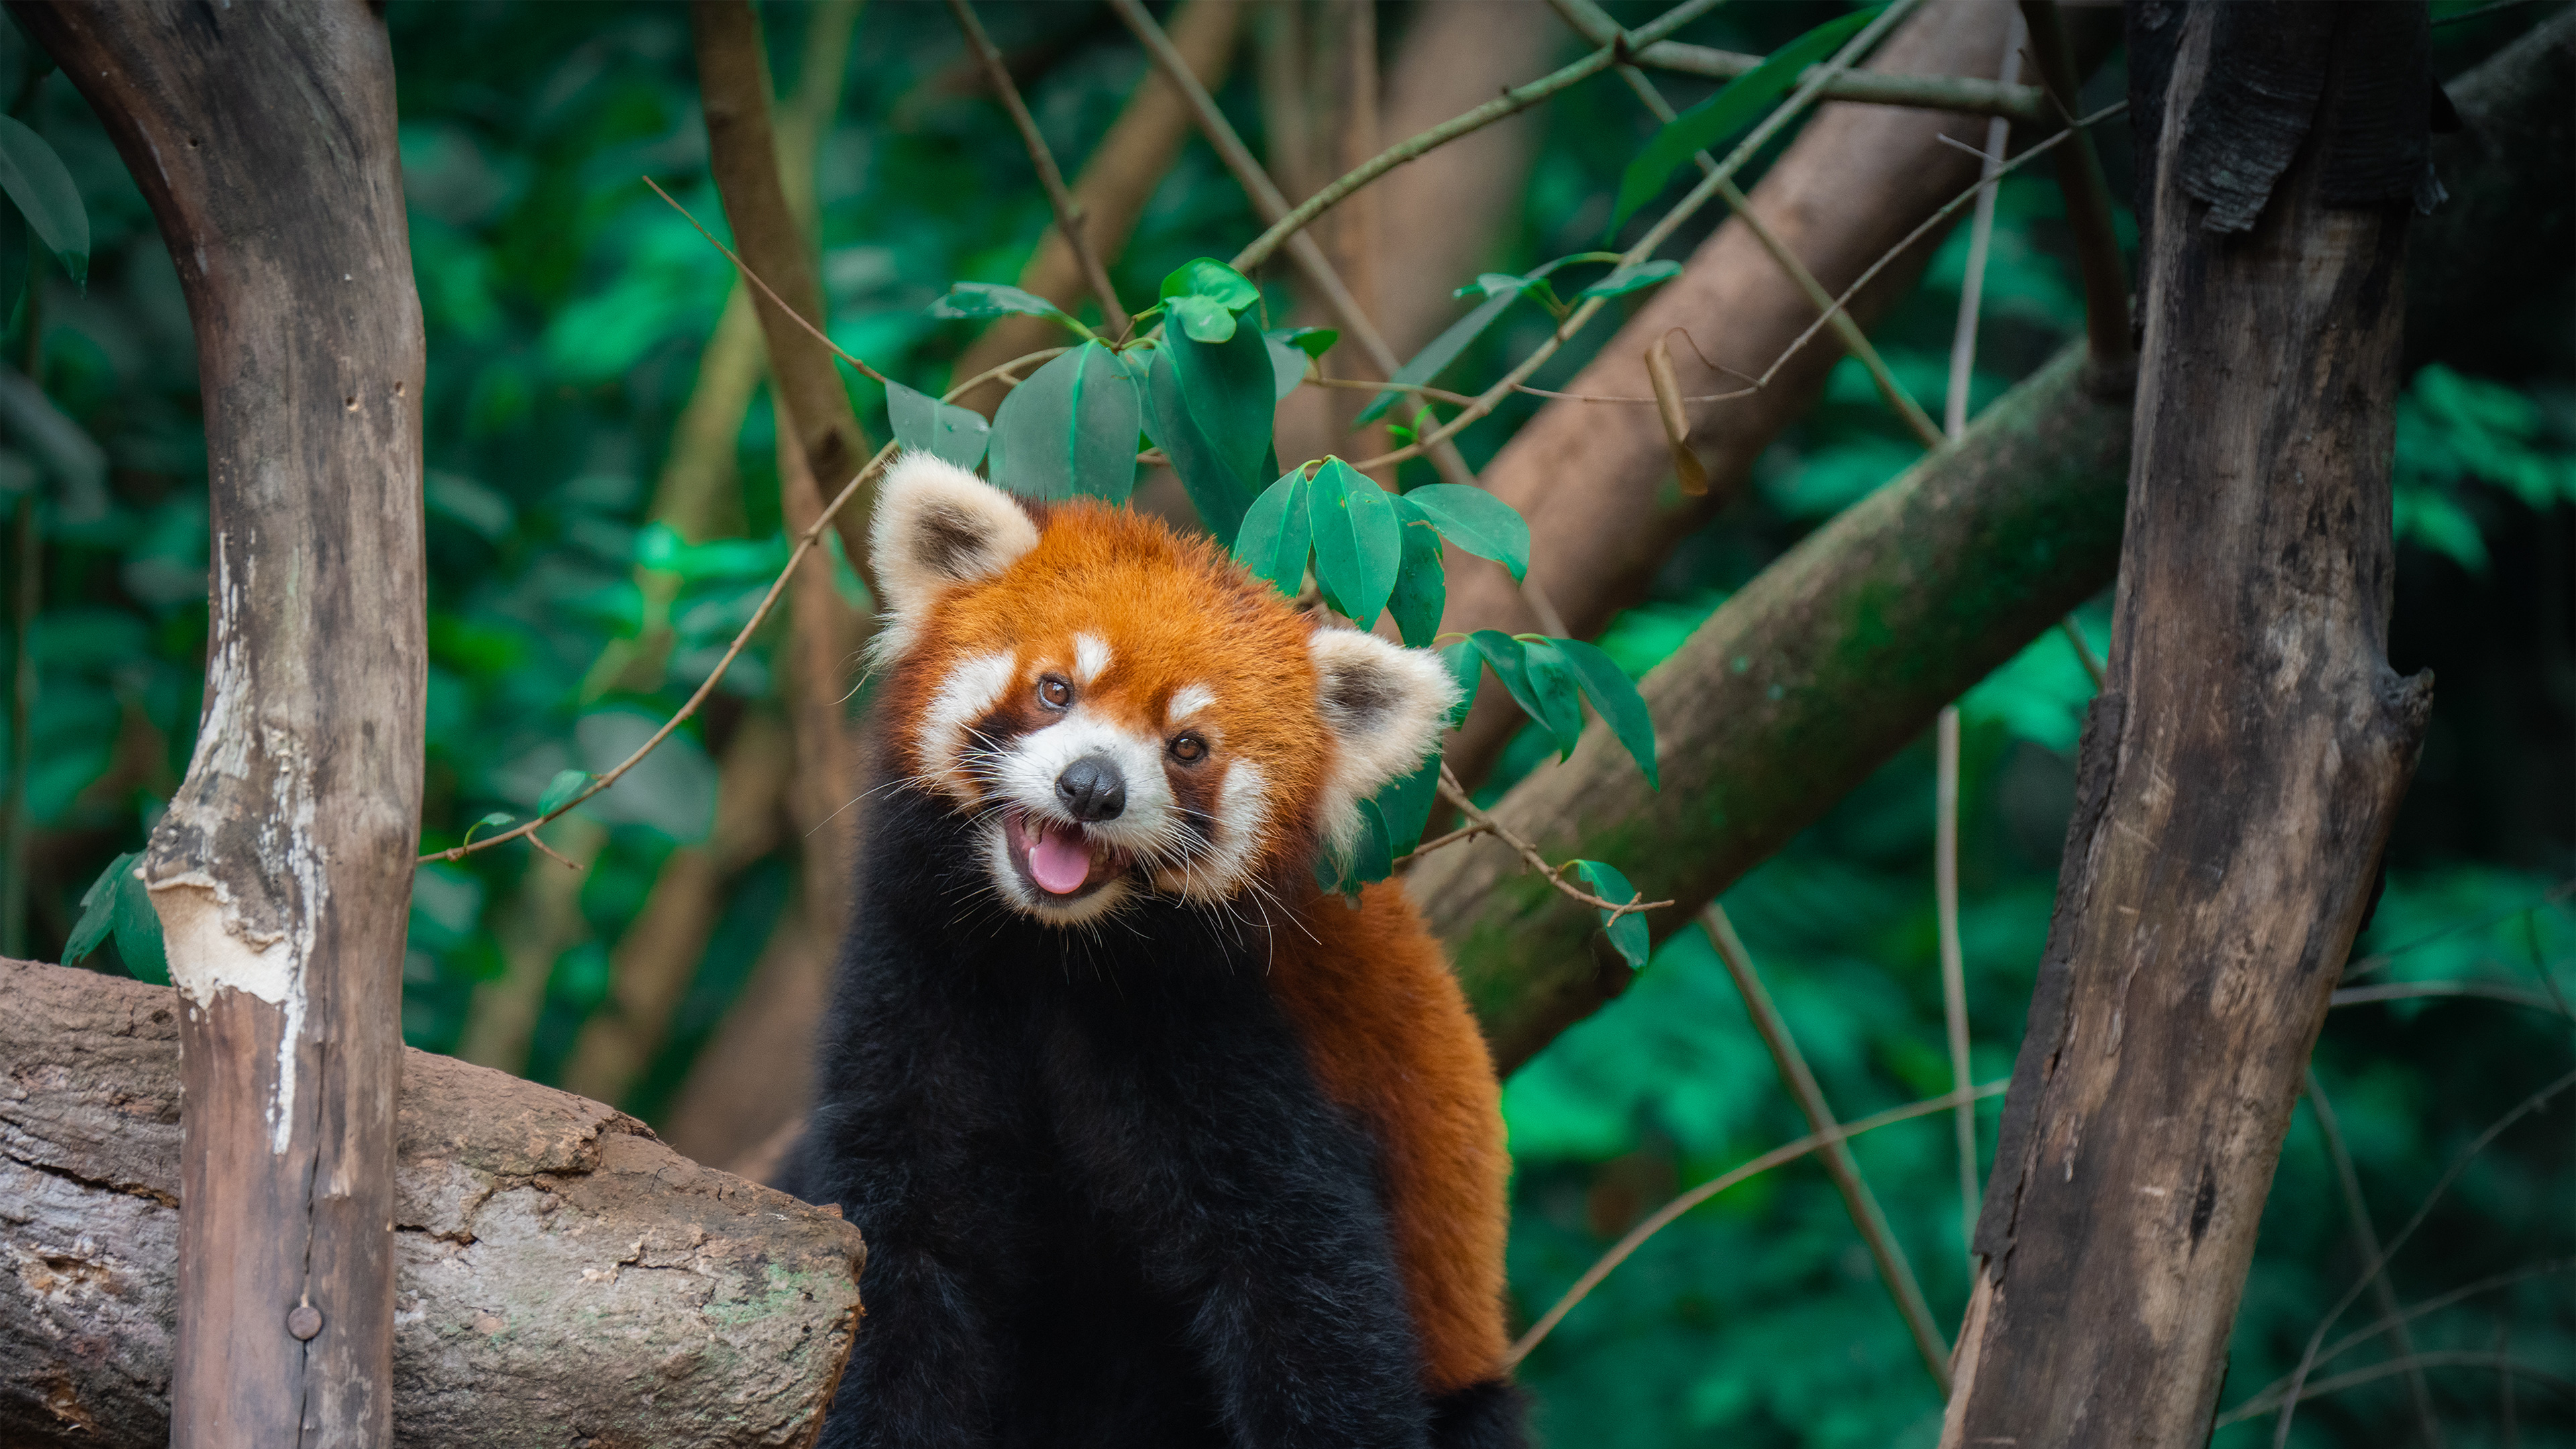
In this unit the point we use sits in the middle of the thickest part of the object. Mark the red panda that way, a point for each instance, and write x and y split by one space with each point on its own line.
1152 1140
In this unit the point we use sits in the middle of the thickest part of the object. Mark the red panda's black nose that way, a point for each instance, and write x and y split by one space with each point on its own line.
1092 789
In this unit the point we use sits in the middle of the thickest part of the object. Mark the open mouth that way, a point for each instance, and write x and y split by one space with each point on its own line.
1061 862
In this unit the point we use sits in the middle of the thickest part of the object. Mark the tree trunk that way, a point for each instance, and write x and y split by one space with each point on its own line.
2240 771
263 137
562 1279
1743 772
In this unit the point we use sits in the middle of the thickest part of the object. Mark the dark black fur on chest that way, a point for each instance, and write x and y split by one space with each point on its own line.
1104 1199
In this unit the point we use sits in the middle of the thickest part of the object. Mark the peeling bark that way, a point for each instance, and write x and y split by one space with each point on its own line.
264 139
562 1278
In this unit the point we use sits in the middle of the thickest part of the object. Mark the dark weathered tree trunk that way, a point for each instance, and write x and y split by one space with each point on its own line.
263 136
562 1278
1879 617
2240 770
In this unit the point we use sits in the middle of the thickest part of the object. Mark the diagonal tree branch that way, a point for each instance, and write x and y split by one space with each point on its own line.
1068 213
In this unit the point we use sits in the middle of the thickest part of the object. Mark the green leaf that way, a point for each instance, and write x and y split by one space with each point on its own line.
1496 284
1404 805
1218 492
994 299
1732 109
1615 695
1421 586
1277 533
560 790
1628 932
1228 388
1202 319
116 904
1207 277
1634 278
1444 349
1466 665
1539 681
659 546
1070 430
1359 545
1373 854
943 430
44 192
1312 341
1287 368
1476 521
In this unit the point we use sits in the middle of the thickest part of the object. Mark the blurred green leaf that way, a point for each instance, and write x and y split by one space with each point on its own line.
1287 368
1467 666
1635 277
1373 854
1733 108
1615 696
46 195
1312 341
1476 521
1070 430
1277 533
659 546
560 790
1359 545
1628 932
1421 587
943 430
1404 805
996 299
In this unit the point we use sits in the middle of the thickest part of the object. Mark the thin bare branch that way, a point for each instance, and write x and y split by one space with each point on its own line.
1967 95
1266 199
1664 1216
1068 216
2348 1180
2290 1397
1661 231
1893 1269
2437 1358
752 277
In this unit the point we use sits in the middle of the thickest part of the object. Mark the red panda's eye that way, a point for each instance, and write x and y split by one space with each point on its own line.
1054 693
1189 749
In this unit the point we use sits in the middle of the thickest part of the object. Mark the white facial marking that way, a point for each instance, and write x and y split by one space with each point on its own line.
1188 700
1026 776
1090 657
969 690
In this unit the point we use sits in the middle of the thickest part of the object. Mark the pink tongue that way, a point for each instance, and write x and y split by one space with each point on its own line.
1058 859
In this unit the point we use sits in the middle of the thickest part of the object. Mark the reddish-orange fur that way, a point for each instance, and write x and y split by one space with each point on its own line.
1385 1025
1391 1039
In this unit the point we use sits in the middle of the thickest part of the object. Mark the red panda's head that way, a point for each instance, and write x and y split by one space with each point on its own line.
1119 712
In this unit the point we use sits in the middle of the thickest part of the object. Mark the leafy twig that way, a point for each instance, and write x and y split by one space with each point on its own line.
1068 215
1968 95
1664 1216
1484 823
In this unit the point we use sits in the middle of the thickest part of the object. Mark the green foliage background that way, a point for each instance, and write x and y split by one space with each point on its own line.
566 308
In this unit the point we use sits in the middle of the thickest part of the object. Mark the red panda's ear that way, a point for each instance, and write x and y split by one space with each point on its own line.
936 525
1385 706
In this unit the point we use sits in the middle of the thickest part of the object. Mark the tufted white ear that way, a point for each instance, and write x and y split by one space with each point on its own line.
1386 706
938 525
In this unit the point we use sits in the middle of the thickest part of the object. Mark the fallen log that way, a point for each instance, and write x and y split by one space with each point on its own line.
562 1278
